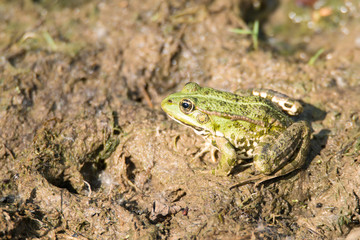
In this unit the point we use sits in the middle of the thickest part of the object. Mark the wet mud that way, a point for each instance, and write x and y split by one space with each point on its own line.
86 151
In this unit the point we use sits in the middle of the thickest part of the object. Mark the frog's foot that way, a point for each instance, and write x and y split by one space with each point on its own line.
262 178
265 179
248 181
257 180
208 148
286 169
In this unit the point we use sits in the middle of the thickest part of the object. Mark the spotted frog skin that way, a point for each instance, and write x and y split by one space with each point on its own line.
242 125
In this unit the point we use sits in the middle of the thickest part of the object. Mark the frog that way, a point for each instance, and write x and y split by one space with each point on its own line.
248 125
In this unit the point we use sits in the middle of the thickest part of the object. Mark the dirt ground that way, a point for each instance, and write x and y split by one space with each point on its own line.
87 153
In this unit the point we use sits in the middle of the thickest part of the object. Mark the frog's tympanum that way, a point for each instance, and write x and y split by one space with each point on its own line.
247 124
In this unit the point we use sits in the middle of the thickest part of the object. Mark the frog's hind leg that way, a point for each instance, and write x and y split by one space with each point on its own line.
284 166
287 153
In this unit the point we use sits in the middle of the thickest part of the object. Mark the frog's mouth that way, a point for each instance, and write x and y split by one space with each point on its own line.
198 130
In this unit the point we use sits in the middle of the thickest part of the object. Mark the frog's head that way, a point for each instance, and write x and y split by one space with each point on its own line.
181 107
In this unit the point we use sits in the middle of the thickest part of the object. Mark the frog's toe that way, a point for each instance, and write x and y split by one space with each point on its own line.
262 181
256 180
208 147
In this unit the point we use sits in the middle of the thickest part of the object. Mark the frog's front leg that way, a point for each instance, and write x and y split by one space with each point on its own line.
284 153
228 156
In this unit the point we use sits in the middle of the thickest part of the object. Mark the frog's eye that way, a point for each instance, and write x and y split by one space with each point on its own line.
186 106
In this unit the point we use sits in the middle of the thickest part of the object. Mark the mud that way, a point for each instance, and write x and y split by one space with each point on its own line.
87 153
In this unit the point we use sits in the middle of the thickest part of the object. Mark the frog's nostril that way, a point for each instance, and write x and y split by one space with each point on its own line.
169 101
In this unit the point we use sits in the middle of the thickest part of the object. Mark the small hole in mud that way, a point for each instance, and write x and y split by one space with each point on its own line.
130 168
90 172
67 185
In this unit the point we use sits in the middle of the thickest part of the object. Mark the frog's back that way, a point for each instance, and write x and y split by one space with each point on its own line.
251 107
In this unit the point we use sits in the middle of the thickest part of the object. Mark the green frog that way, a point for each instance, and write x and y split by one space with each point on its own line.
248 124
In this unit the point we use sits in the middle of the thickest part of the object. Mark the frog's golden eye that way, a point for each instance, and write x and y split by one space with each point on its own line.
186 106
